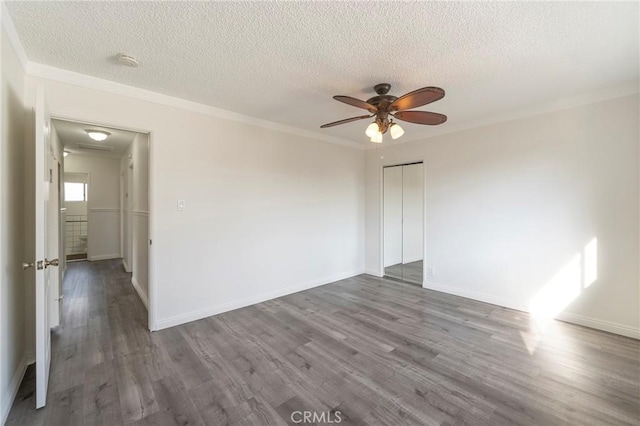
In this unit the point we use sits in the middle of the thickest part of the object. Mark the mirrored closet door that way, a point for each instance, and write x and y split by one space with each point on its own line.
403 222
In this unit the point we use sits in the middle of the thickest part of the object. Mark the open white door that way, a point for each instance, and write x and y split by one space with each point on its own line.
53 239
44 175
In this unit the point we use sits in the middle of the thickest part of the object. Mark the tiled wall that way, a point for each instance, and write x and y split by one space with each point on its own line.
76 226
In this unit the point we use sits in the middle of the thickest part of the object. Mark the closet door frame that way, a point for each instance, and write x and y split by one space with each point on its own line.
394 163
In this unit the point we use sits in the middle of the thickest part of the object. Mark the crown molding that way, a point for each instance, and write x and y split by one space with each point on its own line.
89 82
619 91
14 38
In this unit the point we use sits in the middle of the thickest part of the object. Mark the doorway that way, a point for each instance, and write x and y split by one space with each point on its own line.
58 145
403 222
106 197
76 195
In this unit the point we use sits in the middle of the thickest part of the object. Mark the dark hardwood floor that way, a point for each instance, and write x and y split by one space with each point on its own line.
376 351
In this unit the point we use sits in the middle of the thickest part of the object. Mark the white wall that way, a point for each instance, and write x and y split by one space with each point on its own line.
134 166
509 205
13 347
103 203
268 213
141 215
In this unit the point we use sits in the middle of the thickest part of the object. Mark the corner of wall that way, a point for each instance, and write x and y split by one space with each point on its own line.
141 293
374 272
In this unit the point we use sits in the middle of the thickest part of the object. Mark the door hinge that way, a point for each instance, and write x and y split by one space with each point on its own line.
150 242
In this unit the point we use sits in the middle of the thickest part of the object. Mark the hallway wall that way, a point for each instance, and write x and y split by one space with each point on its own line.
136 247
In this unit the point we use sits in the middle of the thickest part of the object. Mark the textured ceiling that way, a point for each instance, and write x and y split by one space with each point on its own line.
71 134
282 61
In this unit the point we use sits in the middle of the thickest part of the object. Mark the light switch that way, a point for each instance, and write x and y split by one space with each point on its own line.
181 205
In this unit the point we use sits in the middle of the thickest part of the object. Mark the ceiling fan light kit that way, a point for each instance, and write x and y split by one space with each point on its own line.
395 130
386 107
372 130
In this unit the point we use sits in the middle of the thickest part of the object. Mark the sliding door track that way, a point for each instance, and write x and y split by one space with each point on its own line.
400 280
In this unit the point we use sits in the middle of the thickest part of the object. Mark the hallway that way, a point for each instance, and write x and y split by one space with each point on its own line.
103 325
373 350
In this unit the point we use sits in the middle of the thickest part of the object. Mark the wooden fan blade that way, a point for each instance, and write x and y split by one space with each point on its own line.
421 117
346 120
417 98
356 103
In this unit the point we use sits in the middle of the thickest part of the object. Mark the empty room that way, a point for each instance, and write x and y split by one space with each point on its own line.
284 213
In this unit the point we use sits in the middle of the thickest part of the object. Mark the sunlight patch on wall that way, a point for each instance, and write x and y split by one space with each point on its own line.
591 262
559 292
565 287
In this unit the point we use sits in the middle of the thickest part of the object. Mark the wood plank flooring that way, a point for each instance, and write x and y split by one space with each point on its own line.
377 351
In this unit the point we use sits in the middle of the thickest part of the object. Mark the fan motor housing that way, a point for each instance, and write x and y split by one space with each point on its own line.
380 100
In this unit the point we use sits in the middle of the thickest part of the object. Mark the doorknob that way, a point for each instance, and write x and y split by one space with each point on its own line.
27 265
53 262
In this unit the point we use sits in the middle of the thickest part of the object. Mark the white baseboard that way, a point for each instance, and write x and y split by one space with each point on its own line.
11 393
610 327
104 257
126 265
373 272
143 296
248 301
416 259
482 297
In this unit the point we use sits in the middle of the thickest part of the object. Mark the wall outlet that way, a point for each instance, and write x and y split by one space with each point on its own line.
430 271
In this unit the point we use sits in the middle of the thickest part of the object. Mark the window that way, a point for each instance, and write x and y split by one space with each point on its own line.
75 191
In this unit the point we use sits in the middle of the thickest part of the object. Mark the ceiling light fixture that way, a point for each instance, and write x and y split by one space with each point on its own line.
377 138
65 153
372 130
396 131
374 133
98 135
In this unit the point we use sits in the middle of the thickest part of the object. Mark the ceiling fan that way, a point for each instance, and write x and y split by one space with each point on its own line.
387 107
